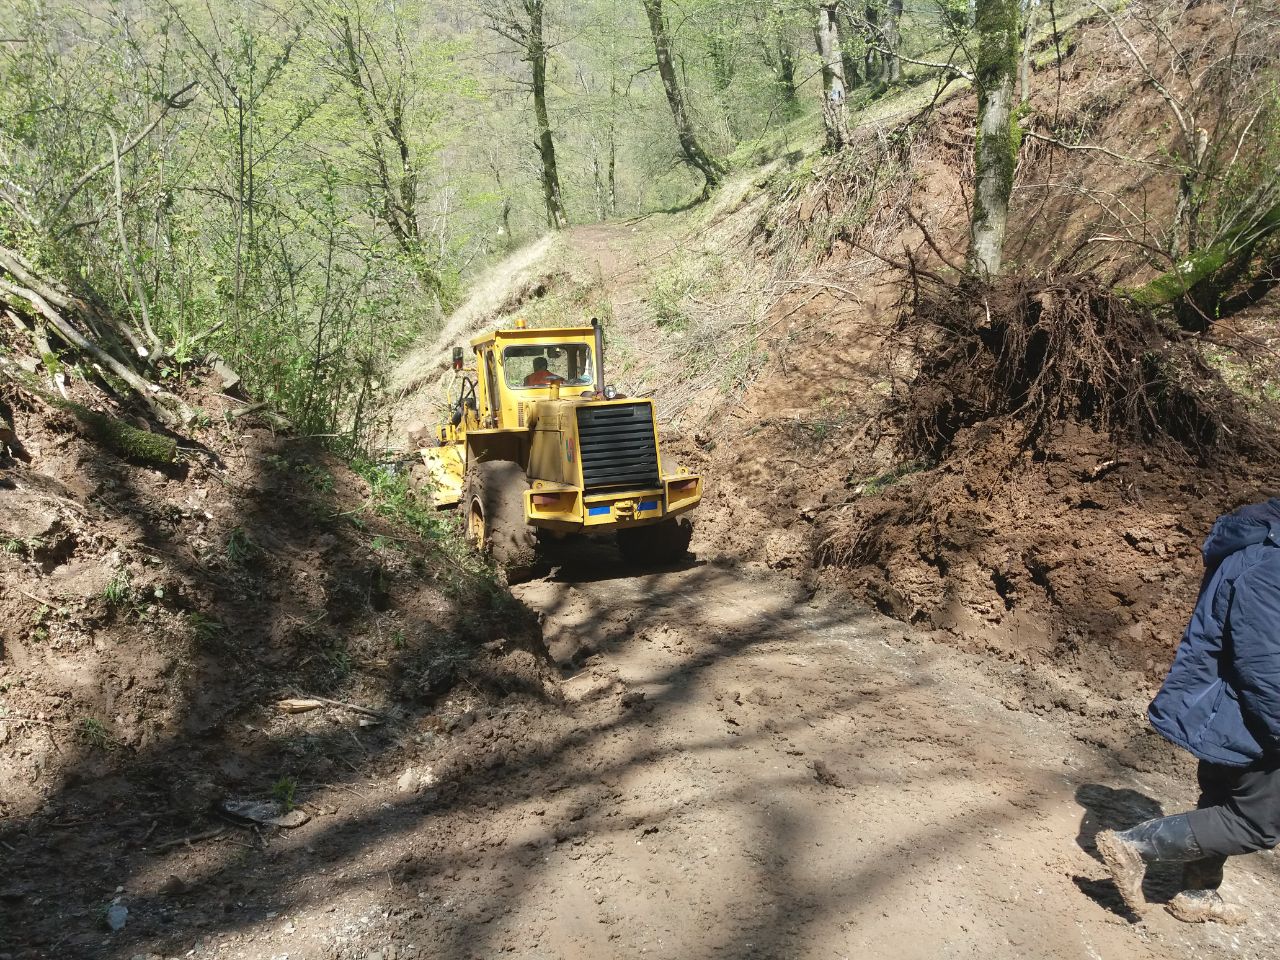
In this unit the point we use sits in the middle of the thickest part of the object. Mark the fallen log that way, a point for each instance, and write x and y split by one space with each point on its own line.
107 431
1196 286
120 438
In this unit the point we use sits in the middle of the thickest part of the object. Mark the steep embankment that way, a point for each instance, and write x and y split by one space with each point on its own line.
157 617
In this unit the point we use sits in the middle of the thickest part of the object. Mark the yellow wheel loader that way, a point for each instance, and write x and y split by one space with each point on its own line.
537 448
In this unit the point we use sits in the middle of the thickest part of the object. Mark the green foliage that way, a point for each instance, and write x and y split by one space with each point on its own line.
284 791
240 548
317 478
22 547
95 734
463 573
876 485
207 631
391 497
667 292
119 590
828 421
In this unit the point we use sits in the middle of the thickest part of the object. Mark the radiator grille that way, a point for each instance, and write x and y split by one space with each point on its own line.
617 446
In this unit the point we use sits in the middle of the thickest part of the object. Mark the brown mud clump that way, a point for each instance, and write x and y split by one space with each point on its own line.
1062 456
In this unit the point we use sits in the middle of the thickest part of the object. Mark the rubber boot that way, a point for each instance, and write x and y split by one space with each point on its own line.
1127 853
1203 874
1199 901
1206 906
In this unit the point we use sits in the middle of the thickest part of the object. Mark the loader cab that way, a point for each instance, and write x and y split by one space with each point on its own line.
537 366
517 368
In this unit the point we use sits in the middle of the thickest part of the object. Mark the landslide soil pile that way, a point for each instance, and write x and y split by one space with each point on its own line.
1062 457
152 616
1052 541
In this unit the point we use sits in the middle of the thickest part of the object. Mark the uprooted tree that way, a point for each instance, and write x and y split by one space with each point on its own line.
1216 75
1032 354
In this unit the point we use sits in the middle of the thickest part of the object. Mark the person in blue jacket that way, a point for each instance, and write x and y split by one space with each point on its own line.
1221 702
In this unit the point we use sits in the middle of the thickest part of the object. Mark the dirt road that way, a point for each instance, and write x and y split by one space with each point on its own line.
805 780
799 780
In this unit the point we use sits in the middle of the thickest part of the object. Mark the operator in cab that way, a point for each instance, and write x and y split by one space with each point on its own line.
541 376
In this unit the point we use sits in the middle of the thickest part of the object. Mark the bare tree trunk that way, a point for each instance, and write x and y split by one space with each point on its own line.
872 15
613 173
597 181
536 53
891 66
853 75
710 168
139 287
786 66
1182 236
995 155
1024 79
611 139
834 117
383 114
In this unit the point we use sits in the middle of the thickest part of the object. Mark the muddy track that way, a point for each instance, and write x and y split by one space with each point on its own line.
803 779
736 770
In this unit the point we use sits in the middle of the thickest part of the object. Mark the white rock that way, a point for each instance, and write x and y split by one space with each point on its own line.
117 916
410 781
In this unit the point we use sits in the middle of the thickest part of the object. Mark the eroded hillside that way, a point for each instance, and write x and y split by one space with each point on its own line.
764 324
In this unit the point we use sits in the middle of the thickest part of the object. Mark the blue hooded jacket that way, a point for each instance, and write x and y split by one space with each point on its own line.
1221 700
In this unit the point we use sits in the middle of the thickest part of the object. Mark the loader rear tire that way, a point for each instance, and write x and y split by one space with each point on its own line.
493 517
658 544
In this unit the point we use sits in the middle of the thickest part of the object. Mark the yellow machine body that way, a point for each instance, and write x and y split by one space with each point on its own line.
593 464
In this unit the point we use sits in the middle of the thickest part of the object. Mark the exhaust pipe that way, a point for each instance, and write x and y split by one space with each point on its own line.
599 332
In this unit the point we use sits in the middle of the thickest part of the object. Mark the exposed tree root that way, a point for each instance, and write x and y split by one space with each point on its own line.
1040 352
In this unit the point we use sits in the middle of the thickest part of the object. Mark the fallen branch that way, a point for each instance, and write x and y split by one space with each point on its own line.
294 705
195 838
1091 148
174 102
355 708
173 410
40 600
138 286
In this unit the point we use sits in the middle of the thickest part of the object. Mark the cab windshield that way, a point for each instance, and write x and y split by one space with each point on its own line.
539 365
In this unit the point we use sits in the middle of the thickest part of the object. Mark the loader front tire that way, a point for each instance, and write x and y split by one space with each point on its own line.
493 517
658 544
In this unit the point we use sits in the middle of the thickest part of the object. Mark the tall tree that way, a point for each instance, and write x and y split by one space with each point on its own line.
710 168
523 22
872 57
891 65
996 153
854 49
834 118
371 60
778 46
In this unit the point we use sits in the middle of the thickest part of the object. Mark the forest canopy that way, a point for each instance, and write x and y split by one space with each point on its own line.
304 187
